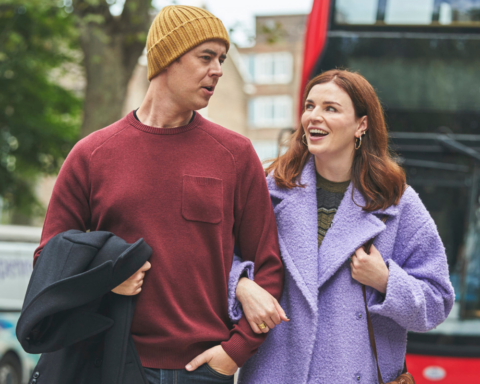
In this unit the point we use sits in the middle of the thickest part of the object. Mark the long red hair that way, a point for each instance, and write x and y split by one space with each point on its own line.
374 173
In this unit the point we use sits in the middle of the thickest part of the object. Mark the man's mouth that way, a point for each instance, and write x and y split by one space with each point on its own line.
210 89
315 132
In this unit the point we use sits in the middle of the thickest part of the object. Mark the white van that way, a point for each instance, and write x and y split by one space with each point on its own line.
17 244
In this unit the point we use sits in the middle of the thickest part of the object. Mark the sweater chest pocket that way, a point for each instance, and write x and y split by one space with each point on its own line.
202 199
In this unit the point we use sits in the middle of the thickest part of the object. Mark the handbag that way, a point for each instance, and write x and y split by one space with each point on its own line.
405 377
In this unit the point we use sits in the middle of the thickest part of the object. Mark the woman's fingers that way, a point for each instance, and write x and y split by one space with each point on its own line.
281 312
265 329
254 327
269 322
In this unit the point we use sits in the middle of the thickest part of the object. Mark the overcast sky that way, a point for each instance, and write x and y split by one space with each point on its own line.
240 14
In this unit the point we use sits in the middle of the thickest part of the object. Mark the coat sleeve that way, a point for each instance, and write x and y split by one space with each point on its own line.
239 268
419 293
69 205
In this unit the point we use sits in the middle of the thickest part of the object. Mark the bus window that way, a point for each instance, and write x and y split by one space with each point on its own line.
408 12
356 11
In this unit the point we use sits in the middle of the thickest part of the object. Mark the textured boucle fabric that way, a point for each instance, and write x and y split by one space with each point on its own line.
238 268
176 30
326 340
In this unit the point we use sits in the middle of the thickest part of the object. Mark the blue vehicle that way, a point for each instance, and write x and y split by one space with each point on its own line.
17 245
15 364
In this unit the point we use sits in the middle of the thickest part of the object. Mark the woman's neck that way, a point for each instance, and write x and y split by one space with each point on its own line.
335 170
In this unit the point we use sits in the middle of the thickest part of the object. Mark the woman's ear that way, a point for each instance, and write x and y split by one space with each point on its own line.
362 127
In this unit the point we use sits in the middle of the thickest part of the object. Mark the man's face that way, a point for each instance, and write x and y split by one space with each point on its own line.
191 79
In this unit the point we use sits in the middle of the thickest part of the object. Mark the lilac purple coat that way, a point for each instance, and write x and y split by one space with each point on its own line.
326 340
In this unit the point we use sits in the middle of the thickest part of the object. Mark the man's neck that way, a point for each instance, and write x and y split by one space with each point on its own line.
162 112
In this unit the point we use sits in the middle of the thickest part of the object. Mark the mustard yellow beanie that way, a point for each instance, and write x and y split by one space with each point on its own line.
176 30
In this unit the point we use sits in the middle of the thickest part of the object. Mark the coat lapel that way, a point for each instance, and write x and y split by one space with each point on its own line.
351 228
297 223
297 229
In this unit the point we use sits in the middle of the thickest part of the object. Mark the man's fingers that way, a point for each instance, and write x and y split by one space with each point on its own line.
281 312
198 361
145 267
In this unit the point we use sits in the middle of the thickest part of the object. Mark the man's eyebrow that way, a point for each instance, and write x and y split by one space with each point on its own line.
213 53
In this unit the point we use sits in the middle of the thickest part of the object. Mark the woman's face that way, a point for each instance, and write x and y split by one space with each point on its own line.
330 123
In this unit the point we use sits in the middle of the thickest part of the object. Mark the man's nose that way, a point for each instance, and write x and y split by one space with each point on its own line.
216 69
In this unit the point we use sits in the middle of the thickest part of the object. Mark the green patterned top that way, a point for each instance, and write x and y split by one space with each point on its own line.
329 197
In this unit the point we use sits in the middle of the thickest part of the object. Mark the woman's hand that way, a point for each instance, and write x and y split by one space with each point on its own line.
133 285
370 269
259 306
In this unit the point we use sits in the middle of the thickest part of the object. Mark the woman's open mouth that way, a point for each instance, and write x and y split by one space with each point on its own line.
317 134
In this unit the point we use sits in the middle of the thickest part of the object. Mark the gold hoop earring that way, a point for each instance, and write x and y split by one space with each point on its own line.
304 140
358 142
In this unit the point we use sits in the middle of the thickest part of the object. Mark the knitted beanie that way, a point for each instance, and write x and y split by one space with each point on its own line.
176 30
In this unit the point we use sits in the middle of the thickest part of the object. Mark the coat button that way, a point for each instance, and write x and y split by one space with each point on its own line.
36 374
359 315
34 381
358 378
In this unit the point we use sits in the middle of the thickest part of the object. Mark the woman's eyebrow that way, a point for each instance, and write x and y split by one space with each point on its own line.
332 102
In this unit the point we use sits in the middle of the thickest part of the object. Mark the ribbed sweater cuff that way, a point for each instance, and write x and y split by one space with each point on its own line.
238 349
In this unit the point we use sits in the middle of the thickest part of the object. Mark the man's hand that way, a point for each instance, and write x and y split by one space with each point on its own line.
259 306
133 285
217 359
370 269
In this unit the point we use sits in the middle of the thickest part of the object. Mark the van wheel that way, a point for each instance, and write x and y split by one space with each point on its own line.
10 370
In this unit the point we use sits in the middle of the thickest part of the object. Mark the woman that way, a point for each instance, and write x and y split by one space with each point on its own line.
330 191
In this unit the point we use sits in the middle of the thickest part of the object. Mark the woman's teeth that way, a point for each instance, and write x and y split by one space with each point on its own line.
318 132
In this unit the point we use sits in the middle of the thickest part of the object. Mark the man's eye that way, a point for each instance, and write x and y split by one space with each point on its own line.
206 57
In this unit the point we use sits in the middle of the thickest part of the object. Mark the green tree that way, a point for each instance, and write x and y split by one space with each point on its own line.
39 119
111 46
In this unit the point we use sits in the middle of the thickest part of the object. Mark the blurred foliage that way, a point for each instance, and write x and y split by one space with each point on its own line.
39 119
273 34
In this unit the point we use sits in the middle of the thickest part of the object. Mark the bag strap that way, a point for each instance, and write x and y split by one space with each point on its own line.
367 247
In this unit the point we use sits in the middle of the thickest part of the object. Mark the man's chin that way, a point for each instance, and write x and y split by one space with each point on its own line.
201 105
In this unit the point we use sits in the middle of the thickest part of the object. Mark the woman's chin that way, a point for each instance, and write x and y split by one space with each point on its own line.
317 149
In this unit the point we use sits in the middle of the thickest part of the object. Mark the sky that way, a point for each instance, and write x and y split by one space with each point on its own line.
240 14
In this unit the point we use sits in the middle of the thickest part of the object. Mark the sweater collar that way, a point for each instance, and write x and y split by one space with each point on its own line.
197 119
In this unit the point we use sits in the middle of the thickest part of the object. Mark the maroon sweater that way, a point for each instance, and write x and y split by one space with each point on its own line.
192 193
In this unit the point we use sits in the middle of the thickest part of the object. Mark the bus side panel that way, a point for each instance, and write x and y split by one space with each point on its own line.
444 370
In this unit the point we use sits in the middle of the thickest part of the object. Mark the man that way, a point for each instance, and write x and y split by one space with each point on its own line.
193 190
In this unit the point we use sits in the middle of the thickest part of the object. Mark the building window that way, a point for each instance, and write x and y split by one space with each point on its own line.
270 112
269 68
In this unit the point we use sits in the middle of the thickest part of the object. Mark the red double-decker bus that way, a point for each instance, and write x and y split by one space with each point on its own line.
423 59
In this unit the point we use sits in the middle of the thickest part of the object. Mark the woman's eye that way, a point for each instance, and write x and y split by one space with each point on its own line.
309 106
331 109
